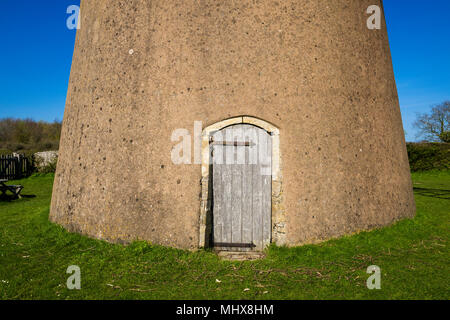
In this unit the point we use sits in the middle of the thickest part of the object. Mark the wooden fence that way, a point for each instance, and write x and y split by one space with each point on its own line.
14 167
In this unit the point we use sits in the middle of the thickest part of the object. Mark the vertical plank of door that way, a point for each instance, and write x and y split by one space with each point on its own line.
247 191
227 173
257 205
267 193
217 194
237 195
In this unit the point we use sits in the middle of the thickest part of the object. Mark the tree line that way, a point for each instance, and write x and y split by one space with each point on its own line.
28 136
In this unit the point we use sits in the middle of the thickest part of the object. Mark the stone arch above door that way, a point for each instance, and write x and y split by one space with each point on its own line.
278 211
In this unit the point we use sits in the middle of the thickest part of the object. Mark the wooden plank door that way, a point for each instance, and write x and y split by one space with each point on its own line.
242 188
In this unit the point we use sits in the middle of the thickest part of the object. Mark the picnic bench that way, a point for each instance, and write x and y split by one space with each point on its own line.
14 189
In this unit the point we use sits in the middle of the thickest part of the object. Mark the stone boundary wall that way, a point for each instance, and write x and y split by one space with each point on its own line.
45 158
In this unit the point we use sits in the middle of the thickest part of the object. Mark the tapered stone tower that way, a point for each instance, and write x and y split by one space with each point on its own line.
307 75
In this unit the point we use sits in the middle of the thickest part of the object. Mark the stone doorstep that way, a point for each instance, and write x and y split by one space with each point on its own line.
240 255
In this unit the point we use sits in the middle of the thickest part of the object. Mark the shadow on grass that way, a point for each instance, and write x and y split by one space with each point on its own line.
10 198
433 193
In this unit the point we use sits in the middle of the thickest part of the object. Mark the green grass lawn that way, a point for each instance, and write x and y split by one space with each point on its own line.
413 256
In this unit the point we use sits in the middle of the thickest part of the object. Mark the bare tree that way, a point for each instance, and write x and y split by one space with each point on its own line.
434 126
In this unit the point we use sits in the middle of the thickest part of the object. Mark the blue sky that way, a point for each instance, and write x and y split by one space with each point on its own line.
419 36
36 52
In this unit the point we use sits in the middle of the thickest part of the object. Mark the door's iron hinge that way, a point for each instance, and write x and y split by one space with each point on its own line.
233 143
234 245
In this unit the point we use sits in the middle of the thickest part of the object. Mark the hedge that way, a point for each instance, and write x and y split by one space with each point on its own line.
428 156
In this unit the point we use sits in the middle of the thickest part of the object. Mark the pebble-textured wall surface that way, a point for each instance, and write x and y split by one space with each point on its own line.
312 68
